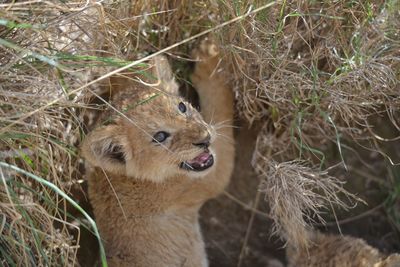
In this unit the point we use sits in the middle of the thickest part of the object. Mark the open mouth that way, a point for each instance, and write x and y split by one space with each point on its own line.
200 163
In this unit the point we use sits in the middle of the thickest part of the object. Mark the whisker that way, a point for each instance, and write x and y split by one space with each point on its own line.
212 118
222 124
226 126
226 138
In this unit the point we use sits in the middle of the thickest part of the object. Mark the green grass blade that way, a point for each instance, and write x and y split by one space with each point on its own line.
40 57
70 200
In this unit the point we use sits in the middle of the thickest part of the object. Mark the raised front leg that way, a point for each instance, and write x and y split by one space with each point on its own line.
216 103
209 78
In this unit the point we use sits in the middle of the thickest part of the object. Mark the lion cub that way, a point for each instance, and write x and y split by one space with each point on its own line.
151 166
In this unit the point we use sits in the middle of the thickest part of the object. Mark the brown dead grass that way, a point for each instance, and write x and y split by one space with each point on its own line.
311 72
314 74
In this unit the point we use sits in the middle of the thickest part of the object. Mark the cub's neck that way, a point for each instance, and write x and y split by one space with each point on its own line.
131 197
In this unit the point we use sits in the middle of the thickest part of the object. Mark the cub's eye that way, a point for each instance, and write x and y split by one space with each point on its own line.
182 107
160 137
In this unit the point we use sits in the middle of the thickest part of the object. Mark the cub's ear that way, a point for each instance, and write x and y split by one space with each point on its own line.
106 148
162 71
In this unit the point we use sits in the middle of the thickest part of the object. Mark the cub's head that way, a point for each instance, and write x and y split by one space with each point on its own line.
151 133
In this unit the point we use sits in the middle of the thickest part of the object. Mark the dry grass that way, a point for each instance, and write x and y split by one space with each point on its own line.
30 235
298 195
312 73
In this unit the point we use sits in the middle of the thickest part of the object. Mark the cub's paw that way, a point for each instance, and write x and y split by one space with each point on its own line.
207 57
207 49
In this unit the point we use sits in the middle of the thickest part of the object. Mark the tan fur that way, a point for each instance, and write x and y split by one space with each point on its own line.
339 251
147 207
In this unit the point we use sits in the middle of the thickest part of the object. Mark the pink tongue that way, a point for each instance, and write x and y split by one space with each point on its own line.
200 158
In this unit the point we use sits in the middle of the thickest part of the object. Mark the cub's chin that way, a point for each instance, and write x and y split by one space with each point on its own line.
199 165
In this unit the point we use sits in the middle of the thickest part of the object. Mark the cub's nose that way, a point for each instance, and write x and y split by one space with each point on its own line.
205 143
